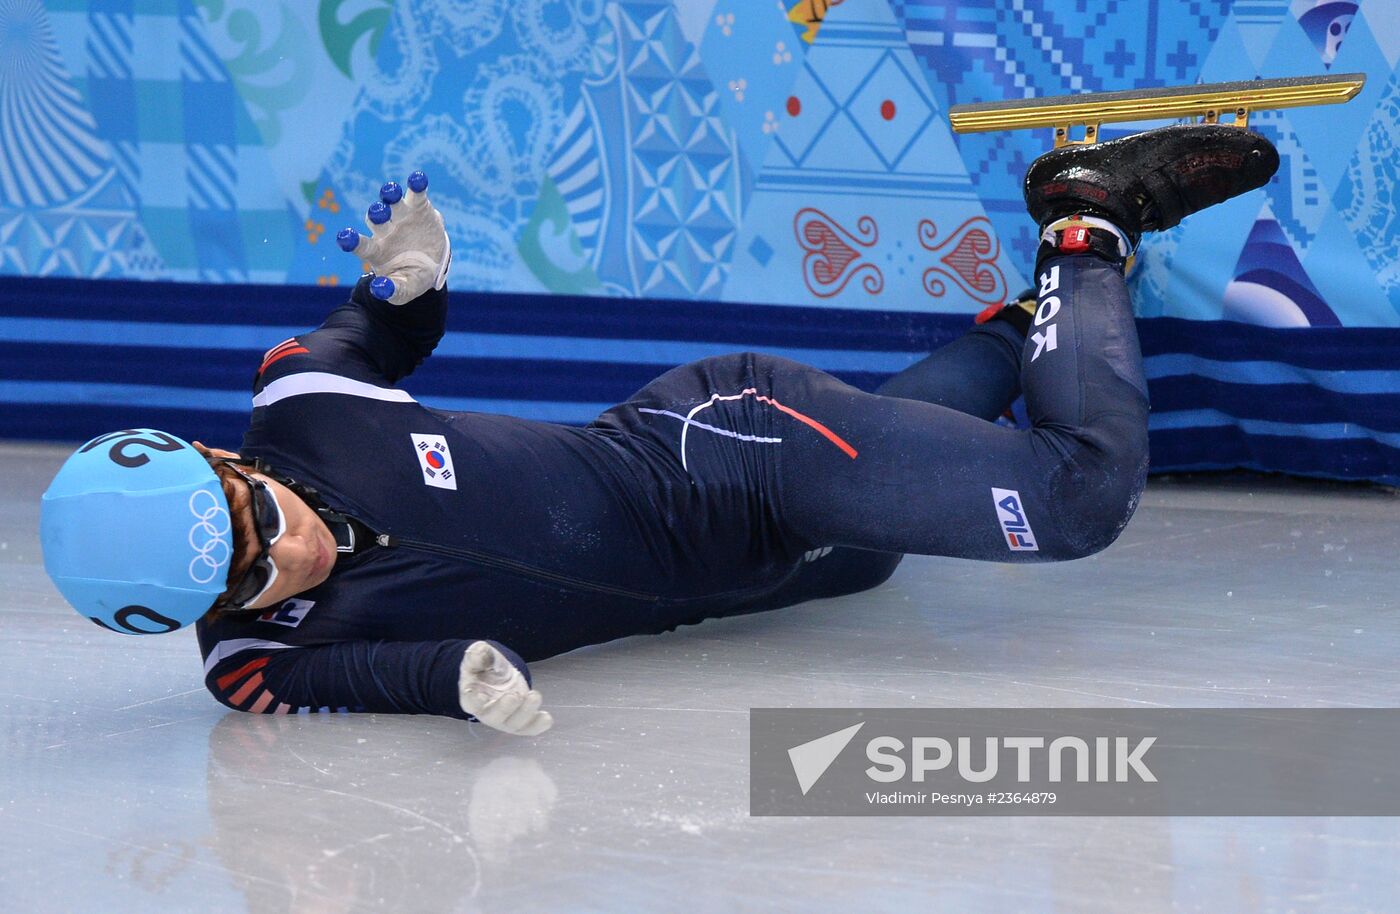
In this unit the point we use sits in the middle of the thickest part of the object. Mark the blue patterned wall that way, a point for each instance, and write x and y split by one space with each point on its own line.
777 154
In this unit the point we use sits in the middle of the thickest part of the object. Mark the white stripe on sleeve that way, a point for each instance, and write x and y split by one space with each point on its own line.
320 382
226 649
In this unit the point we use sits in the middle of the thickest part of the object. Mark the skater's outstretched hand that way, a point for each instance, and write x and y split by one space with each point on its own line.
408 248
493 691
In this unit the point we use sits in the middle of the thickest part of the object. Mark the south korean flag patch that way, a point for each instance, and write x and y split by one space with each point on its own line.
435 460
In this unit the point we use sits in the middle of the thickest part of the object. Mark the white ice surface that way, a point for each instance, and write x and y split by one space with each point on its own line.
125 787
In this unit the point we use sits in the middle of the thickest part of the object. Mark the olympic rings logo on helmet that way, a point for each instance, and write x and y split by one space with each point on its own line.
207 537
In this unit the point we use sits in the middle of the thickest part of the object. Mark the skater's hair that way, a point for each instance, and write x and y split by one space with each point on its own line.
245 534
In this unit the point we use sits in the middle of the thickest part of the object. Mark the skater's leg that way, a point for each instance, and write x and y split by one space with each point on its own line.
979 373
928 479
832 571
918 478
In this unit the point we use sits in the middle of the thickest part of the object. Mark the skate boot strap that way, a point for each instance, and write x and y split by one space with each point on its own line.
1084 234
1166 197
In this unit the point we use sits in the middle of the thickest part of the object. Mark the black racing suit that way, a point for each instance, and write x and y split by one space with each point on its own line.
715 490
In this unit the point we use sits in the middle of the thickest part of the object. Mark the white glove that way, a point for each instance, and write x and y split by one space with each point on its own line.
493 691
408 249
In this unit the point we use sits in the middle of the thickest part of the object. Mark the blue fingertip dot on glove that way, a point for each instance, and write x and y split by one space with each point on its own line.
418 182
348 239
391 193
379 213
381 287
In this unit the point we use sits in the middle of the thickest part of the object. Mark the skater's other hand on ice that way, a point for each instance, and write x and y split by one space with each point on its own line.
493 691
407 248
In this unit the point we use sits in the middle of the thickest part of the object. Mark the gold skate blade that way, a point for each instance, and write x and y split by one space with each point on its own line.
1210 101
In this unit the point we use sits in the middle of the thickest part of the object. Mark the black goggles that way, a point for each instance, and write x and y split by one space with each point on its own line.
270 523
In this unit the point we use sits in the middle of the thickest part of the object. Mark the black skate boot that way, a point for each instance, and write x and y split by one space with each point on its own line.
1141 183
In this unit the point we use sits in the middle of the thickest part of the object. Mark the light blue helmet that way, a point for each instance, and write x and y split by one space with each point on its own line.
136 532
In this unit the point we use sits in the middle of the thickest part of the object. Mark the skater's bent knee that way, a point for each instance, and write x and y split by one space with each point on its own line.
1095 526
843 571
874 570
1096 491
